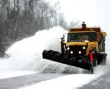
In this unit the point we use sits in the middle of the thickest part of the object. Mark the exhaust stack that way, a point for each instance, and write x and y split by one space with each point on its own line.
83 25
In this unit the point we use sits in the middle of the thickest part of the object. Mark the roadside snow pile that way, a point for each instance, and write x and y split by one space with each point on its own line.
72 81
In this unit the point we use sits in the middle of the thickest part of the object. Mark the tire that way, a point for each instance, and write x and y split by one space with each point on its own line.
104 60
91 68
95 62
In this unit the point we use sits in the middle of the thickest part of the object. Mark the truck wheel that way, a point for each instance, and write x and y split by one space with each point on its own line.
104 60
95 62
91 68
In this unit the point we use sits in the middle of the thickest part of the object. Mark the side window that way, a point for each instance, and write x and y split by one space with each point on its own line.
70 37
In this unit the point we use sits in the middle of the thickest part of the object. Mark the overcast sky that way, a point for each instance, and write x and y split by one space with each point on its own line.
93 12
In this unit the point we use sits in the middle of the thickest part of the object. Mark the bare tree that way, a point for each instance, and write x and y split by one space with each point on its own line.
74 24
22 18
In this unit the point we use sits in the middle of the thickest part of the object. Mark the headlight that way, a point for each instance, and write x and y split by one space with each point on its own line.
71 52
84 47
79 52
86 41
68 48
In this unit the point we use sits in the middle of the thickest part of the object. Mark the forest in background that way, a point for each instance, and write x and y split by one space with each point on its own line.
23 18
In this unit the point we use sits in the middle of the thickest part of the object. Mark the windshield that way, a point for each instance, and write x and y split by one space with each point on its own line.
81 37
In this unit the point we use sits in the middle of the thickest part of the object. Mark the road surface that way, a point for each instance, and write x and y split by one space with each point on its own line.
21 81
102 82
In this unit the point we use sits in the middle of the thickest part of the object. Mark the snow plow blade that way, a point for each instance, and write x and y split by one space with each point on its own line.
80 61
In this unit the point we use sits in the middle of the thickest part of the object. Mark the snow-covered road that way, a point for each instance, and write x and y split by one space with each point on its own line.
102 82
33 80
21 81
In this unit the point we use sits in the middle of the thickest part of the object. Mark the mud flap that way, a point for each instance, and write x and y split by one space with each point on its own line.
65 59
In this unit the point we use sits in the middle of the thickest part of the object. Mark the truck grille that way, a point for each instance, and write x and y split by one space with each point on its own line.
76 50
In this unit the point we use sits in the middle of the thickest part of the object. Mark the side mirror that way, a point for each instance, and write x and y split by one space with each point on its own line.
65 35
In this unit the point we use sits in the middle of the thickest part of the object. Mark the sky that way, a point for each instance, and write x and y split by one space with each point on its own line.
93 12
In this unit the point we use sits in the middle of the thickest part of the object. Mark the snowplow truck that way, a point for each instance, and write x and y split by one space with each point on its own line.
81 47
